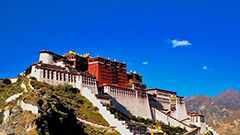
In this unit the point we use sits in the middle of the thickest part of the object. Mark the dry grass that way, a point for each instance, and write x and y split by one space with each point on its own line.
32 132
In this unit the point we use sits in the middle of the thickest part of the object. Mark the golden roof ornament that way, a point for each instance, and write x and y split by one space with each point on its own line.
72 52
86 55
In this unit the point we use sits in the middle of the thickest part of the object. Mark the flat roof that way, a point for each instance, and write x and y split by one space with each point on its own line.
166 91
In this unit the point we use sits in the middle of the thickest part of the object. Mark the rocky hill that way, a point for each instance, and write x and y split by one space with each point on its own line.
187 98
221 112
196 102
57 108
215 108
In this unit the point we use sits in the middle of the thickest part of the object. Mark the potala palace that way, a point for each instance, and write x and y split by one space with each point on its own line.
107 81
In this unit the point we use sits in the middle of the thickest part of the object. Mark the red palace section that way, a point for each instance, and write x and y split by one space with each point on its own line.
108 72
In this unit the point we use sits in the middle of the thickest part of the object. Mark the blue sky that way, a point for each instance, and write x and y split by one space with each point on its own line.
187 46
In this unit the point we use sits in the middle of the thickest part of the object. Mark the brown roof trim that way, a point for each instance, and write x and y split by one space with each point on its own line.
102 96
95 59
152 89
45 51
194 114
49 52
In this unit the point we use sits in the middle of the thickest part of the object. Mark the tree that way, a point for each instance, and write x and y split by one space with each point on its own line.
6 81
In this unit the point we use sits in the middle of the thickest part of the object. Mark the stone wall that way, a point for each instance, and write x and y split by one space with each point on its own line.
168 119
13 80
181 112
128 101
28 107
13 97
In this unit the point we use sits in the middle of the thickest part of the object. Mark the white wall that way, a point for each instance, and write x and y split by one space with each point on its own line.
13 97
6 114
36 73
129 102
28 107
46 58
13 80
158 115
181 109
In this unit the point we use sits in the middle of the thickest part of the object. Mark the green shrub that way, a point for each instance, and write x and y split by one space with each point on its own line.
95 109
6 81
33 78
192 125
2 102
1 86
67 88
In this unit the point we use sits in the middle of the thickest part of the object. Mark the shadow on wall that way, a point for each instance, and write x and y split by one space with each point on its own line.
119 106
153 102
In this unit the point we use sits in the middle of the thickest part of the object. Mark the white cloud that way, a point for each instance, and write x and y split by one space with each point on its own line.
176 43
205 67
145 63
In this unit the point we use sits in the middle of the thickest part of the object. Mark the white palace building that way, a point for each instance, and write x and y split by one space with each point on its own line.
100 79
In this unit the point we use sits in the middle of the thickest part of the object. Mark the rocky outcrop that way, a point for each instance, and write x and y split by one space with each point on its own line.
53 118
56 118
18 122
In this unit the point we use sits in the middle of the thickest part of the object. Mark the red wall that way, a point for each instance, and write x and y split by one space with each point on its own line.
104 74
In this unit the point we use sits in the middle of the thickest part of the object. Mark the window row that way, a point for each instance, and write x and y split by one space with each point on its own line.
54 75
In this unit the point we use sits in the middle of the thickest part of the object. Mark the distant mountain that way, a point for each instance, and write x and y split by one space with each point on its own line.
187 98
195 103
215 108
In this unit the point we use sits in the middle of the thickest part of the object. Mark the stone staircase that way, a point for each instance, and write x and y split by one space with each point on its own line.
105 113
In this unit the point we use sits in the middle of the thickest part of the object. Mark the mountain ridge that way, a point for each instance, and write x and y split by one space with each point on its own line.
223 104
221 112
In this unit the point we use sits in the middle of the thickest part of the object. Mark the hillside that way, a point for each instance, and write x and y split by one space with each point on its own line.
57 110
215 108
229 125
187 98
221 112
